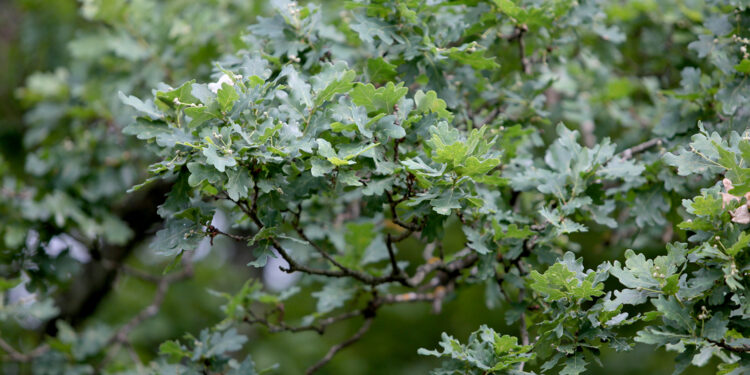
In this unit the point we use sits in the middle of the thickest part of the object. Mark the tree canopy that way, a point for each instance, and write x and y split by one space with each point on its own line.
377 186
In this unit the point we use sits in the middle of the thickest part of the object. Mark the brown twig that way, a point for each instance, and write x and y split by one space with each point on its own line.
395 270
394 215
17 356
336 348
318 327
630 152
464 259
735 349
522 326
441 285
294 266
520 31
162 287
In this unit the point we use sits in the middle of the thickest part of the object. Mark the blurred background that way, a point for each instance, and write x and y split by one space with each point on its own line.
61 65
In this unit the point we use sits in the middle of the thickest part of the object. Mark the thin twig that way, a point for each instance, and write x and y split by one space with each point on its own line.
525 64
317 248
162 287
464 259
522 323
392 299
394 215
395 270
336 348
294 266
17 356
318 327
630 152
724 345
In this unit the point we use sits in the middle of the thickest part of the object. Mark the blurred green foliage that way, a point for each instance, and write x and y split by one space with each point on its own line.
628 70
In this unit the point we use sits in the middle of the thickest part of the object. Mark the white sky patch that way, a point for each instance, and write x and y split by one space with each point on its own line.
276 279
61 242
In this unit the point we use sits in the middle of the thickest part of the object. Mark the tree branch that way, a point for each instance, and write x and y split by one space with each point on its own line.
336 348
394 215
518 34
162 287
318 327
295 266
17 356
630 152
395 270
735 349
92 284
464 259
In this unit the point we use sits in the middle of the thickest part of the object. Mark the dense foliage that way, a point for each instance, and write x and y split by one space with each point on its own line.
583 163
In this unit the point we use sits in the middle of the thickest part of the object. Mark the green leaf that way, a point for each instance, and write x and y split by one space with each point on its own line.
514 232
238 183
333 295
742 242
325 149
115 231
176 261
511 231
473 56
358 150
508 7
247 367
485 350
447 146
429 102
671 285
561 223
472 166
226 96
200 172
177 235
198 116
476 241
263 234
301 90
178 96
147 107
378 100
218 343
704 355
625 297
574 365
446 202
358 237
706 205
386 126
560 281
368 28
217 157
554 283
733 96
621 169
341 85
716 327
743 67
642 273
174 350
653 207
678 315
696 224
379 71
